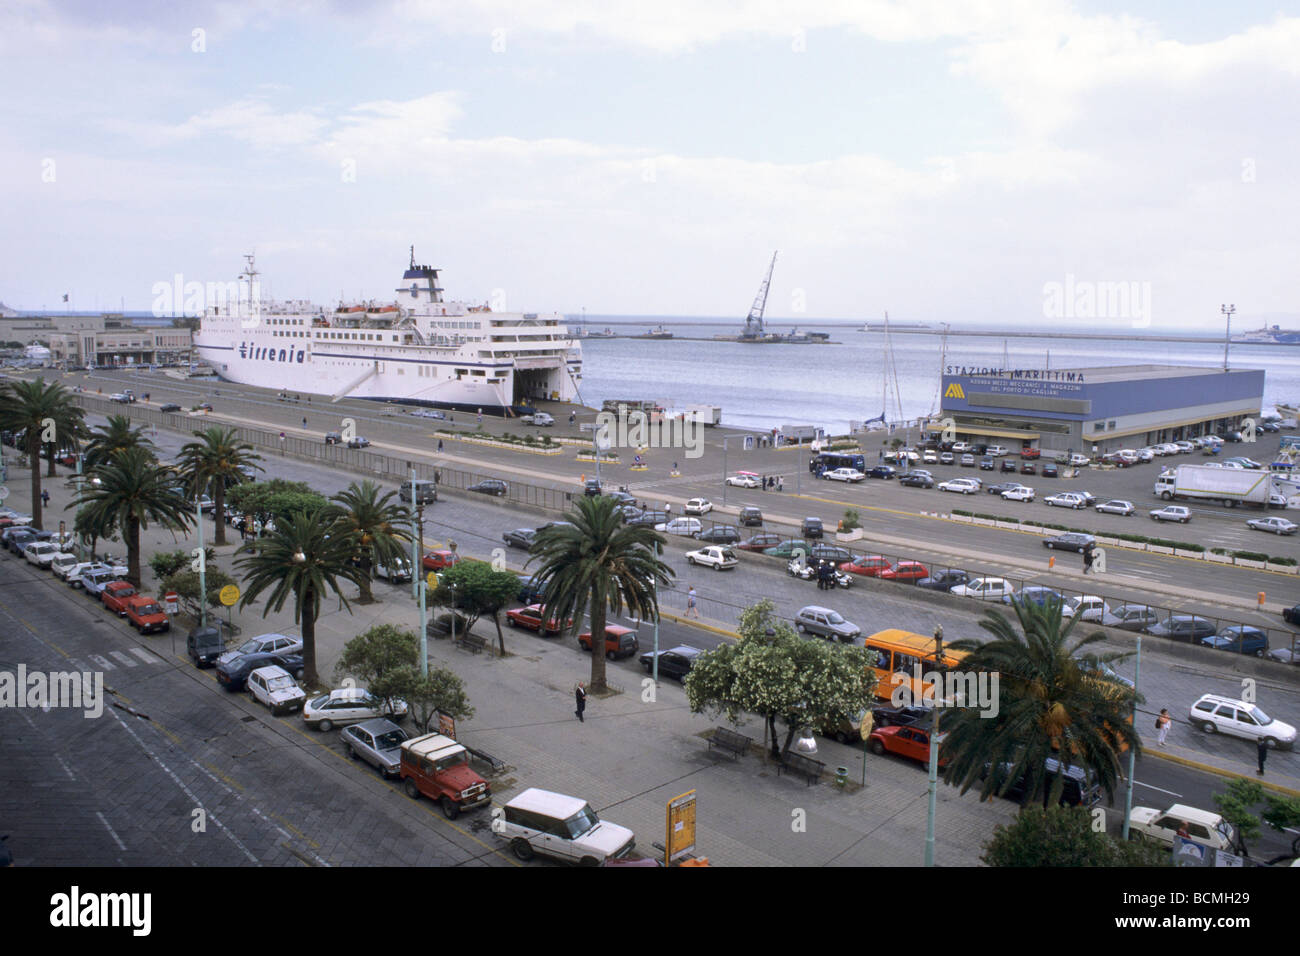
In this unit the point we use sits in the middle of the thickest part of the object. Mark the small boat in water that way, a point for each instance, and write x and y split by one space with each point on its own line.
656 333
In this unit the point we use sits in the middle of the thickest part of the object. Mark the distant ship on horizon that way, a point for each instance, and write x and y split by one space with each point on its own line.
1270 335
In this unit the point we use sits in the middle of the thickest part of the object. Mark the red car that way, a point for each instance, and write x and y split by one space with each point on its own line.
146 614
872 566
115 596
907 571
1028 452
759 542
531 618
619 641
437 560
911 742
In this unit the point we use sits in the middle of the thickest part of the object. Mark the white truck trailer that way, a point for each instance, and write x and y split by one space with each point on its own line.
1230 486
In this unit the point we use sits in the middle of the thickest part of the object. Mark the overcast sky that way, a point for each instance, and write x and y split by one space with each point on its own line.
944 161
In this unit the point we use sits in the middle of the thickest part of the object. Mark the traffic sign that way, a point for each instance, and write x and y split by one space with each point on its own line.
172 600
432 581
229 595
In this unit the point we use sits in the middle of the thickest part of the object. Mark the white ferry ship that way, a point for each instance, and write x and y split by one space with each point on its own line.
420 349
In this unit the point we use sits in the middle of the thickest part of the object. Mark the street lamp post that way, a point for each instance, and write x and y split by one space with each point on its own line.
934 750
1132 756
203 563
1227 311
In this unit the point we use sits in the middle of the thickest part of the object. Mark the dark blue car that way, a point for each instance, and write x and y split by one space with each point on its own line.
1239 639
529 592
232 674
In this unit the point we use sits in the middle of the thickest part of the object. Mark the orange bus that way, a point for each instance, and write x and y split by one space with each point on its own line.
898 654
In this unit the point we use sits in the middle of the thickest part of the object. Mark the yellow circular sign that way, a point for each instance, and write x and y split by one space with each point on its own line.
432 581
229 595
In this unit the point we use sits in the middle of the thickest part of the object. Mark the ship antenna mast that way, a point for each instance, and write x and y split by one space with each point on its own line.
754 321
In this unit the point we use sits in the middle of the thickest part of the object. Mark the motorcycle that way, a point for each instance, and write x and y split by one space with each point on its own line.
807 572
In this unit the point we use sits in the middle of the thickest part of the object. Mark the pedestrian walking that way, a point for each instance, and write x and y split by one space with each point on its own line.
572 418
1087 560
304 421
439 444
45 498
480 416
580 698
780 483
668 511
1162 726
1261 751
691 609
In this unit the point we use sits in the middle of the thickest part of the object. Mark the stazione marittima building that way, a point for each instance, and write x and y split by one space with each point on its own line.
1108 408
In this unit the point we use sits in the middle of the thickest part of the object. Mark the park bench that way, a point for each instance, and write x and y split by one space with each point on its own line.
471 642
798 763
730 741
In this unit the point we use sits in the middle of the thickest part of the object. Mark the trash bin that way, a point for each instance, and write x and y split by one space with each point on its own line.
841 776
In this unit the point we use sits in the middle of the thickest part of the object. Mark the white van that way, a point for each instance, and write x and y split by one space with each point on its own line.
425 492
539 821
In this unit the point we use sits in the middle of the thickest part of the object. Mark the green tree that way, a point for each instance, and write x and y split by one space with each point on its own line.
1050 704
301 559
31 407
779 675
212 464
597 563
476 590
185 583
1064 836
132 490
426 695
379 528
382 659
278 498
117 435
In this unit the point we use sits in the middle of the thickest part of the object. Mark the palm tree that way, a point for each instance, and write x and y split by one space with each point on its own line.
302 558
128 491
1053 702
380 529
215 462
32 407
597 562
118 435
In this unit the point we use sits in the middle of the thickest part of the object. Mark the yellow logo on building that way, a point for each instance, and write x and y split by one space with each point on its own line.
954 391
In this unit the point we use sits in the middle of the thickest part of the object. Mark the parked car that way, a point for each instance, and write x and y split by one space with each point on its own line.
906 571
378 742
1275 525
273 686
1237 718
567 828
676 662
1049 470
1116 506
619 641
1065 499
40 553
760 542
490 486
1240 639
519 538
787 549
437 767
689 527
648 517
1172 513
881 471
944 580
987 464
912 742
868 565
714 556
719 534
698 506
968 461
530 618
359 442
349 705
963 486
1071 541
1130 617
1183 627
1161 826
750 516
146 615
985 589
1079 787
264 644
95 578
742 481
888 716
204 645
439 559
946 458
540 419
62 564
812 527
1086 607
844 474
1018 493
824 622
231 674
916 480
829 552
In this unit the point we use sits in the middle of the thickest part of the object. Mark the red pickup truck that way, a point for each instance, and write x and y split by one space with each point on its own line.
147 615
116 594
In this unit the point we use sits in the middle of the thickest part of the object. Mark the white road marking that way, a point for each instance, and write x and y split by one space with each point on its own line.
146 656
102 662
111 831
122 658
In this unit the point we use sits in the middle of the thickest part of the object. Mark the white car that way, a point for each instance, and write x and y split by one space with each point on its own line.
715 556
964 486
541 419
40 553
542 823
1076 460
264 644
274 687
1237 718
844 474
1019 493
1116 506
743 481
1066 499
348 705
995 451
1146 454
1275 525
698 506
960 446
16 517
986 589
691 527
930 457
1162 826
1172 513
1087 607
62 564
73 574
